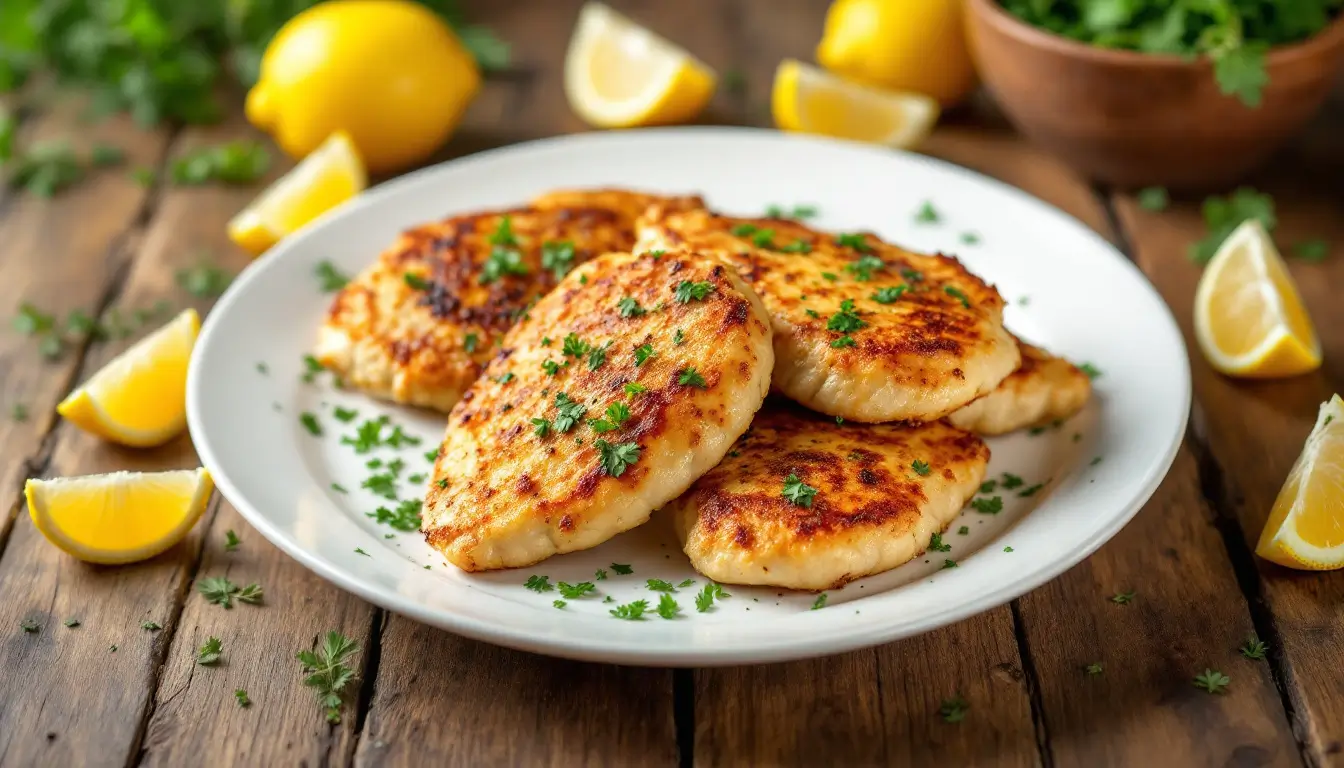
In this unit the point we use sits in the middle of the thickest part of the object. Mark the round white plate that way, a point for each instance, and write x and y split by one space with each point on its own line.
1068 290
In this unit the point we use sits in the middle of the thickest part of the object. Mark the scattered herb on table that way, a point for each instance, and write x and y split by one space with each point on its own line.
601 575
1122 598
1254 648
659 585
150 626
203 280
218 590
1212 681
1095 668
252 594
326 672
231 541
45 168
240 696
1153 198
1010 481
954 710
29 625
103 155
1223 215
210 652
1311 250
72 623
309 421
234 162
18 412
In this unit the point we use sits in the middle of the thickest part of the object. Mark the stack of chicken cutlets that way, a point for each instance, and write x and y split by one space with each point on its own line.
807 405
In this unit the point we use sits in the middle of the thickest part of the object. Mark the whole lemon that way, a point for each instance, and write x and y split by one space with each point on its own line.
907 45
390 73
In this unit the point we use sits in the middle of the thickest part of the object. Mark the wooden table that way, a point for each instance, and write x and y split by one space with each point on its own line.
110 693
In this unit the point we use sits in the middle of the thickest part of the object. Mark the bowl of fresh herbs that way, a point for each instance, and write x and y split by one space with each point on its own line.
1180 93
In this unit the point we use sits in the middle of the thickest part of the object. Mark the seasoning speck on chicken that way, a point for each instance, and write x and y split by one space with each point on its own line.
1045 388
419 324
809 504
884 334
549 464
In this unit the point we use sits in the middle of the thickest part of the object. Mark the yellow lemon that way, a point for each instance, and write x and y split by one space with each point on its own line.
906 45
390 73
1249 318
140 397
618 74
807 99
332 174
121 517
1305 529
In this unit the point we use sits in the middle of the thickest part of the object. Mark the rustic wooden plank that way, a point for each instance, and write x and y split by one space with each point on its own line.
284 723
63 254
1247 434
1190 613
445 700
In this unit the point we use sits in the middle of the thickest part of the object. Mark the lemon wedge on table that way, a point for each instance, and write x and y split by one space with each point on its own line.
810 100
332 174
121 517
1305 529
1249 317
140 397
619 74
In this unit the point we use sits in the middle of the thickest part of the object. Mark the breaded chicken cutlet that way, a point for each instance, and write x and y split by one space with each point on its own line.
418 326
806 503
613 394
1044 389
864 330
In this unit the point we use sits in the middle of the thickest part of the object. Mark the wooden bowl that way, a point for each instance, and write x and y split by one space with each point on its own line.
1138 119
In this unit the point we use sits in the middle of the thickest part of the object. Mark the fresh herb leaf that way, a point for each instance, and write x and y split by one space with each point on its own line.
921 468
597 357
689 377
575 347
743 230
1094 668
865 266
326 672
414 281
1212 681
949 564
45 169
629 307
231 541
204 280
570 413
843 341
954 710
705 599
1091 370
1153 198
688 291
72 623
846 320
936 544
1223 215
240 696
667 607
678 338
252 594
557 256
218 590
575 591
150 626
615 458
659 585
1011 481
927 214
601 575
991 506
1122 598
210 652
820 602
797 492
1254 648
633 388
538 583
958 294
622 569
889 294
233 162
797 246
630 611
30 626
855 240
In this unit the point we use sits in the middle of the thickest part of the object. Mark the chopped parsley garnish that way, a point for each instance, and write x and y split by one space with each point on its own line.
218 590
359 551
1007 549
690 377
1028 492
329 278
920 468
708 595
573 346
963 530
1122 598
231 541
344 415
743 230
913 275
415 282
958 294
601 575
863 268
1223 215
252 594
927 214
557 256
954 710
820 602
797 246
210 653
970 238
667 607
764 238
1091 370
1254 648
405 517
72 623
812 313
1212 681
203 280
846 320
382 484
550 367
843 341
1094 668
615 458
855 240
678 338
830 276
470 342
688 291
889 294
505 258
337 487
685 583
505 377
1311 250
617 414
18 412
558 603
538 583
1153 198
311 367
326 672
631 611
936 544
442 482
988 486
240 696
949 564
541 427
622 569
233 162
575 591
796 212
634 388
1011 481
570 413
991 506
29 625
597 357
368 435
659 585
628 307
642 353
797 492
1097 459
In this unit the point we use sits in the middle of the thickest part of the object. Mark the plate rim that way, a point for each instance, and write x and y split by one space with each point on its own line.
617 650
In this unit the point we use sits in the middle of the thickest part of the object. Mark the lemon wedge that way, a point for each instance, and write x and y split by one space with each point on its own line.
810 100
330 175
618 74
121 517
1305 529
140 397
1249 317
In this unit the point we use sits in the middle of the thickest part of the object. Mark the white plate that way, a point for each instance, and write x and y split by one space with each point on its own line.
1085 302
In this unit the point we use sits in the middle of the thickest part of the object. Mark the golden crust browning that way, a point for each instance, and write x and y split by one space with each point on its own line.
1044 389
932 343
424 344
872 510
505 496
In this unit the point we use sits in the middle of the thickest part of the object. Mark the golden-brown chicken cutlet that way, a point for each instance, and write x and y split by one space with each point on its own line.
805 503
1045 388
613 394
418 325
863 329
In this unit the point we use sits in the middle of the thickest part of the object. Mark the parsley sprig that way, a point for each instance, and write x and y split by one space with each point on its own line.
326 672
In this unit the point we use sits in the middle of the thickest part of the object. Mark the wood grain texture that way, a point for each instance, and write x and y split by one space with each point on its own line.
446 700
65 254
875 707
1249 433
284 724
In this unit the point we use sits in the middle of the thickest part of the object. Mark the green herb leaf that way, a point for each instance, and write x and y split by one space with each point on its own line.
1254 648
667 607
991 506
326 672
1153 198
1223 215
954 710
538 583
688 291
575 591
622 569
705 599
889 294
210 652
631 611
1212 681
921 468
1311 250
204 280
927 214
846 320
797 492
218 590
234 162
689 377
558 257
240 696
616 458
936 544
820 602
